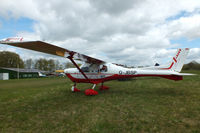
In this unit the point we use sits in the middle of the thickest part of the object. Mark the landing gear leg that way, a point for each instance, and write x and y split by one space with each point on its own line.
91 92
93 86
102 87
74 89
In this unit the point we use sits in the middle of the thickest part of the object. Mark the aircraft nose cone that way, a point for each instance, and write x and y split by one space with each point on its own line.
71 70
67 71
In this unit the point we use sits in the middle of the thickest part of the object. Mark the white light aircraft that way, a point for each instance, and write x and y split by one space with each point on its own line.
96 71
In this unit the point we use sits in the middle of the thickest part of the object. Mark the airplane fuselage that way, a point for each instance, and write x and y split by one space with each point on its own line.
118 72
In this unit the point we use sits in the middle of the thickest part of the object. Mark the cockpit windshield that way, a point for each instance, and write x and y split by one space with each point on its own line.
85 69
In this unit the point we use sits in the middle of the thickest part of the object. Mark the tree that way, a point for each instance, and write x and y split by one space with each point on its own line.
29 63
10 60
51 65
60 67
70 65
192 66
57 64
45 65
41 64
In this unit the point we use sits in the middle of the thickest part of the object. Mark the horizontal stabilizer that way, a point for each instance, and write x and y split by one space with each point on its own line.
186 74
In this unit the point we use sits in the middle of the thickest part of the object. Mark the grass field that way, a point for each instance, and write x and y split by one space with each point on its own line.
145 105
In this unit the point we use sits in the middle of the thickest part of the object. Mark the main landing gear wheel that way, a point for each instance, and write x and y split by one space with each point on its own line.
74 89
91 92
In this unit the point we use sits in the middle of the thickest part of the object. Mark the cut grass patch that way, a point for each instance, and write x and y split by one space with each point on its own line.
146 105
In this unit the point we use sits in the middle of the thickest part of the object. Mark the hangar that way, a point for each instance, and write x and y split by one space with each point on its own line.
15 73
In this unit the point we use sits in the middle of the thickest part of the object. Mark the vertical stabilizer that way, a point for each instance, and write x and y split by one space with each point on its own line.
178 60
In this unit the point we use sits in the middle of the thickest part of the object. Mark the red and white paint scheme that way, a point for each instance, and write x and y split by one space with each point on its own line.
13 39
96 71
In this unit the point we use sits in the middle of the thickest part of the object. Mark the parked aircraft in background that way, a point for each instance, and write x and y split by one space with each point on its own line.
96 71
41 74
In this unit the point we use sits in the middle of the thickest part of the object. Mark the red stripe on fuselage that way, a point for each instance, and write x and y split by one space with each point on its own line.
94 74
117 76
168 67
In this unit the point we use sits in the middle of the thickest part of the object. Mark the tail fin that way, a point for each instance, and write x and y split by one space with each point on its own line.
178 60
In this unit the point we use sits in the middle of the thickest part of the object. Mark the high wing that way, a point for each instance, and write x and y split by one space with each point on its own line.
50 49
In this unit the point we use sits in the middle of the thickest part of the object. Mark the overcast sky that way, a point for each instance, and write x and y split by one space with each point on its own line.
131 32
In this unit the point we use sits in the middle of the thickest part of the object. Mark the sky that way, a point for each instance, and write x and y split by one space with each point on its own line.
131 32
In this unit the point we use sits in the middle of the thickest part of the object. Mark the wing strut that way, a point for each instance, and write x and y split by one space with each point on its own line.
70 57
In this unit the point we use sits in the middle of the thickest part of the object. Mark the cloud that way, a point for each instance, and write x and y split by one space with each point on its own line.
114 6
129 32
194 55
185 27
6 48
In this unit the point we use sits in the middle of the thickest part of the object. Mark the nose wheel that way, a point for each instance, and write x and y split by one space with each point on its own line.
74 89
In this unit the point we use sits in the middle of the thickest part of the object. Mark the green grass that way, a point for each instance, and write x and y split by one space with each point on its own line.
145 105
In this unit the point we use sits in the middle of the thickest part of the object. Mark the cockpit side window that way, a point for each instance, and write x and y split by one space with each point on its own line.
104 68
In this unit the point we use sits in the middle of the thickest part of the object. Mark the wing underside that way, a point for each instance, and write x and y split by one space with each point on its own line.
44 47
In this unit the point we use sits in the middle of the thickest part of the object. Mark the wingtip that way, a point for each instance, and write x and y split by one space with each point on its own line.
12 39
